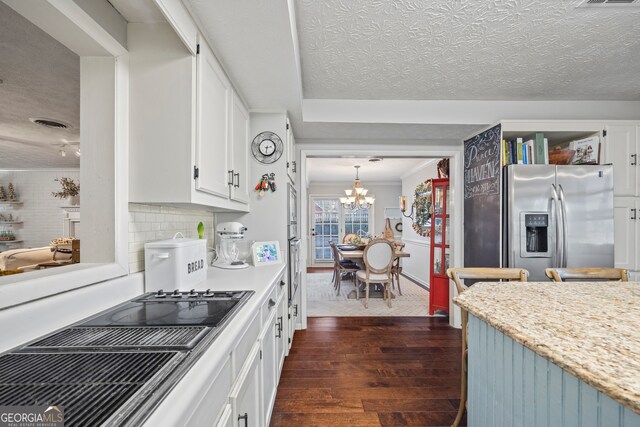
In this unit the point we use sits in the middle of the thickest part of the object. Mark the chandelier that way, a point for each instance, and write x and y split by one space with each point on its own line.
356 197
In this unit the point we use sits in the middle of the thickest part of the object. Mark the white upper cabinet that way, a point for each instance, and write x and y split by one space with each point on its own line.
622 150
213 137
239 160
626 232
189 129
290 148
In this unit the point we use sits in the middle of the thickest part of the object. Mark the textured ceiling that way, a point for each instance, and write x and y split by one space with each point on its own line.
41 78
468 49
342 169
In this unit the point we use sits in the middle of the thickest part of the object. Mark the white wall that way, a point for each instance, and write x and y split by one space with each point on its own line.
40 212
417 265
386 194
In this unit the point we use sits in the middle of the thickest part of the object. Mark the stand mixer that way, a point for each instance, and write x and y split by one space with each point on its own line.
231 249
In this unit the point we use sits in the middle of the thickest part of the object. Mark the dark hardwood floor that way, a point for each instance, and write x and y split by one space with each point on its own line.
371 371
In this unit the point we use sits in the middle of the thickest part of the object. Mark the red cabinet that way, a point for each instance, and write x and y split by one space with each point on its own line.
440 250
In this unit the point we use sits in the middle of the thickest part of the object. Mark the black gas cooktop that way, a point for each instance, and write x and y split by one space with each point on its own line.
204 308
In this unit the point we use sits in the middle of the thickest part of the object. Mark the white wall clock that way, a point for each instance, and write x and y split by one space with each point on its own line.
267 147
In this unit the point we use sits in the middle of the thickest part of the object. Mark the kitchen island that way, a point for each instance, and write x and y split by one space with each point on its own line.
553 353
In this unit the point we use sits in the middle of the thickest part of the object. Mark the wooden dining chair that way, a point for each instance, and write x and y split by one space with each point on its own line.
378 256
340 267
457 275
396 270
396 267
564 274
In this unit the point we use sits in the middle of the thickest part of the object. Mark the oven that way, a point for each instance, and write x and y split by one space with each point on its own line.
292 212
294 241
294 267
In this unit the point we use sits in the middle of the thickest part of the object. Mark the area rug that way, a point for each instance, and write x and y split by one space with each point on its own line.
322 299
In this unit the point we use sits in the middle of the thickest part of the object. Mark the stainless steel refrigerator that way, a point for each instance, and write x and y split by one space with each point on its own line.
557 216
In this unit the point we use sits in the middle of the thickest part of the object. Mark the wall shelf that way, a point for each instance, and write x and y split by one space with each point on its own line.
10 222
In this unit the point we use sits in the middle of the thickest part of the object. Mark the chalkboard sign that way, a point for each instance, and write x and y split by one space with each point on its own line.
482 199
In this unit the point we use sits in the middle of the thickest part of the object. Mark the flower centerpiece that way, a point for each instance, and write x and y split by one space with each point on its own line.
70 191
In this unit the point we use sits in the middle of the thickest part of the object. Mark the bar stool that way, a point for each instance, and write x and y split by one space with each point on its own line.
564 274
457 274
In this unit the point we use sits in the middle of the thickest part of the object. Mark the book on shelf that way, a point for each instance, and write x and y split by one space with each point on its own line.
530 153
520 158
541 149
587 151
534 151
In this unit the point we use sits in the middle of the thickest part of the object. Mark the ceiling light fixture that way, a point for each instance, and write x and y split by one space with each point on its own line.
357 198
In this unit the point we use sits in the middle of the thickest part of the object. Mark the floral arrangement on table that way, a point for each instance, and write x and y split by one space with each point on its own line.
69 188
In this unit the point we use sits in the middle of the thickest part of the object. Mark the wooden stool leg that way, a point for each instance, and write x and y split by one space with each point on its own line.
463 374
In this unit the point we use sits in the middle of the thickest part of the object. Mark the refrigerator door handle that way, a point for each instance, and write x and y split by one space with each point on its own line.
557 257
565 242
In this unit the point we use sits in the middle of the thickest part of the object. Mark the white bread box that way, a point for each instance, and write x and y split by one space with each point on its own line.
175 264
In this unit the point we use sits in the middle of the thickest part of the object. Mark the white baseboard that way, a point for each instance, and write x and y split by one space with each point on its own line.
416 279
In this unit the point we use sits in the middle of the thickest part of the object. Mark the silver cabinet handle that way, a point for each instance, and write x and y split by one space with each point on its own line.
230 178
236 184
634 162
279 331
244 417
565 226
633 214
294 166
295 309
557 256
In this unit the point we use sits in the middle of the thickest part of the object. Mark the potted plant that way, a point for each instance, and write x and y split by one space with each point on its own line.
70 191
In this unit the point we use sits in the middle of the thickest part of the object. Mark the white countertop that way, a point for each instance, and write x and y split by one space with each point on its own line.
179 404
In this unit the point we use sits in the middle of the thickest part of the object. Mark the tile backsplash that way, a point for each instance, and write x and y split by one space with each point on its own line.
150 222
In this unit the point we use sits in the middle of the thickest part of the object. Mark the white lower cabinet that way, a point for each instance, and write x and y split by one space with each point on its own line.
627 231
257 361
245 394
269 367
281 333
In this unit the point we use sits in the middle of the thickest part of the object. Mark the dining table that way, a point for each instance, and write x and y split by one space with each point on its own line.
357 255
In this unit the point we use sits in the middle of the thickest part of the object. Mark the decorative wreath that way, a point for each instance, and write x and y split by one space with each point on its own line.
424 208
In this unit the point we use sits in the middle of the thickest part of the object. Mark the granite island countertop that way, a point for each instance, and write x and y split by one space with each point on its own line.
589 329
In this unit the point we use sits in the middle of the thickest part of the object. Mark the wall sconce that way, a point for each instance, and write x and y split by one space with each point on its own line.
403 207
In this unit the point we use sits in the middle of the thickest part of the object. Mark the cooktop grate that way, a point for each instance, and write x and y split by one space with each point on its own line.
90 386
178 338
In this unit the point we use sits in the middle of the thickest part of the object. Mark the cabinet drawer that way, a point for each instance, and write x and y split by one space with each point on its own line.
245 343
215 398
269 305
